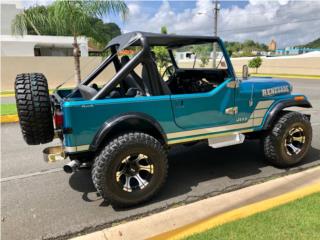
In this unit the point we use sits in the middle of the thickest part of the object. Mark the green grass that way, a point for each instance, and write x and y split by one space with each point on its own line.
8 109
298 220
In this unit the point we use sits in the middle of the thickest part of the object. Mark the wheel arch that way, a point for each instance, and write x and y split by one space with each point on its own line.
133 121
275 111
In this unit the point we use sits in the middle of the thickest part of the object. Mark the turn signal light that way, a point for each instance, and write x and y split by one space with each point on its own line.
299 98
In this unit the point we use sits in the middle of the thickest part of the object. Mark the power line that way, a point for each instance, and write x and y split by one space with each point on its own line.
270 25
215 30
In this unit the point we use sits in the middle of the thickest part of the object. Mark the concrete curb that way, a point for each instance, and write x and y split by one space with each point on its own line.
199 216
239 213
287 76
280 76
9 118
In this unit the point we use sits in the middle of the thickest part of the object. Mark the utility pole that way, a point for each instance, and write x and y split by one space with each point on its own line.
215 30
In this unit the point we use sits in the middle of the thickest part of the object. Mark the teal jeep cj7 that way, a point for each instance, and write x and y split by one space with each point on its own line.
126 124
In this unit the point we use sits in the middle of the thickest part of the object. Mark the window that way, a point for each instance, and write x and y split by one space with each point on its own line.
200 56
52 51
201 68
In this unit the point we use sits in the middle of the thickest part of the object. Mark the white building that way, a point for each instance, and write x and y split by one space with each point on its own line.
184 56
33 45
190 56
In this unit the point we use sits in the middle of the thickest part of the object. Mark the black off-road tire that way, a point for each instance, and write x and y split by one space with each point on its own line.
34 108
274 143
106 164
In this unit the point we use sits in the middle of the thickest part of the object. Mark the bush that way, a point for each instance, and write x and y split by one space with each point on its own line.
255 63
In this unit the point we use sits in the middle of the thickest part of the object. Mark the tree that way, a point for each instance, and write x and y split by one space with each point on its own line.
238 49
203 53
164 30
162 55
255 63
99 34
67 17
313 44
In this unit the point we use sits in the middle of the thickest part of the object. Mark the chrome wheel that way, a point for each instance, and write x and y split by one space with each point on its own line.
134 172
294 141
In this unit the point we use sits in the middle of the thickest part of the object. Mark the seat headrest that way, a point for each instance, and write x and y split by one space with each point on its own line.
87 92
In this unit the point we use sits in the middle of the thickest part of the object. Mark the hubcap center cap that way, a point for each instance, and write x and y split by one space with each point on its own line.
134 172
294 141
131 169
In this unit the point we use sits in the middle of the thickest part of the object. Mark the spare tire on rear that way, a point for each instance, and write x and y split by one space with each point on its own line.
34 108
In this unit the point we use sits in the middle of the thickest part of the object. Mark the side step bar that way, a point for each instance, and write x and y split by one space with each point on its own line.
228 140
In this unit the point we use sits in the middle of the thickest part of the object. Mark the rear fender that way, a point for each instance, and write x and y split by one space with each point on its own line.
129 122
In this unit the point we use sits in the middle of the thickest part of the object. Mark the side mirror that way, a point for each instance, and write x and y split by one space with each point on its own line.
245 72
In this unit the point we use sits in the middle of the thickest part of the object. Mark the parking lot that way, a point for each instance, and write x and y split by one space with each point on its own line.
45 202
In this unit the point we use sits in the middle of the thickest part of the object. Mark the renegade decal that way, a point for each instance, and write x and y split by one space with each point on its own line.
275 91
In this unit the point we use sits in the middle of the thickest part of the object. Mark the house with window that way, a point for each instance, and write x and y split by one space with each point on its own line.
33 45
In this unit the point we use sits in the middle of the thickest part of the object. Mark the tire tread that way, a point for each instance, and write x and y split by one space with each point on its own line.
103 161
271 140
34 108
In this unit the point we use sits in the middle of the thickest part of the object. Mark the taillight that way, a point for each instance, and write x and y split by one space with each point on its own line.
58 119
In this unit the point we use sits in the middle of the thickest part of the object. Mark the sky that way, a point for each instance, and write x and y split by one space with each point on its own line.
288 22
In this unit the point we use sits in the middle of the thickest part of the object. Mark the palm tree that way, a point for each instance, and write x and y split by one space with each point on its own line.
68 17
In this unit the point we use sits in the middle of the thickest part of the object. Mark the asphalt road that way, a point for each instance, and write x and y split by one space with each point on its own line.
40 201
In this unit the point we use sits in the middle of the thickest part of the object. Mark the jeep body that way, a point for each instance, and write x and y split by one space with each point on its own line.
194 104
235 106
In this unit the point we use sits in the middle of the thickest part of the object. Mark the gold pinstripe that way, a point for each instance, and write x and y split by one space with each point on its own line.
76 148
264 104
260 111
257 121
206 136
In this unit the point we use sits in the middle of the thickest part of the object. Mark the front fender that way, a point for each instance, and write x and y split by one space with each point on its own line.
273 114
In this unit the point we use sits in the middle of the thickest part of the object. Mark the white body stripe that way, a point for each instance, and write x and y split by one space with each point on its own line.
264 104
206 136
259 112
209 130
257 121
76 148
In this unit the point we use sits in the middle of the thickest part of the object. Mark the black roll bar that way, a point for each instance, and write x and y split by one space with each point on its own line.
100 68
124 71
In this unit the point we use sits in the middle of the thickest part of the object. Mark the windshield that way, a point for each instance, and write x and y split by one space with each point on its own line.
205 55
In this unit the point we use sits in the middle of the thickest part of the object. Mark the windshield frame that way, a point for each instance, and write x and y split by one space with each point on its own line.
225 55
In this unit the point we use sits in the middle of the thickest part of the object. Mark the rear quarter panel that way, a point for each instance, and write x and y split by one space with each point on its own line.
86 117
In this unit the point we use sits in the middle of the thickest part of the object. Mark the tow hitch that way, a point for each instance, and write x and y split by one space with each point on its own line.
53 154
